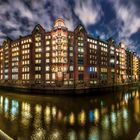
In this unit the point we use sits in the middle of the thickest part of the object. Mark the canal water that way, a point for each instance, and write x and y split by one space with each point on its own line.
109 116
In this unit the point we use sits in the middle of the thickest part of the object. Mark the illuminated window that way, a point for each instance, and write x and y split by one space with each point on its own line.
47 60
71 48
15 70
25 51
111 52
80 68
37 76
37 44
71 54
25 76
25 69
47 54
25 56
38 49
81 50
80 38
112 61
71 68
47 76
37 68
25 62
37 55
14 76
6 77
38 38
103 69
93 69
47 68
53 76
37 61
47 42
48 37
47 48
80 44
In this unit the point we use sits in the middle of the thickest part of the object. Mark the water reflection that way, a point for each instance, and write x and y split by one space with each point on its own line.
104 118
25 114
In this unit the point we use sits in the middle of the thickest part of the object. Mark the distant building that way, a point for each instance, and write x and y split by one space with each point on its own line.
62 58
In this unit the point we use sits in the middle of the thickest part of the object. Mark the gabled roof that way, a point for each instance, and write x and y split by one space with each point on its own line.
80 27
38 28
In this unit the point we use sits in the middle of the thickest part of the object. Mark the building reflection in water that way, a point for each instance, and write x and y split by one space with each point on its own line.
72 135
93 133
137 107
54 112
82 118
72 118
6 107
1 103
37 116
60 116
56 134
96 115
14 109
91 116
47 115
25 114
104 120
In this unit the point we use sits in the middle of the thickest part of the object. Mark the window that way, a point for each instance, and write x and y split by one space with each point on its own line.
38 38
37 68
37 61
38 49
38 56
81 50
25 76
53 76
103 69
71 48
93 69
71 54
25 69
47 54
80 68
47 48
80 76
71 68
25 62
37 76
80 61
47 68
47 76
14 76
25 51
47 42
15 70
47 60
48 37
6 77
37 44
112 61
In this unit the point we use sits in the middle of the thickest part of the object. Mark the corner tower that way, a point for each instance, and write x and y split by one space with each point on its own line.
59 52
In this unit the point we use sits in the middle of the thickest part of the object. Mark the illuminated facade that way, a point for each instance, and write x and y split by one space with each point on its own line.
62 58
122 62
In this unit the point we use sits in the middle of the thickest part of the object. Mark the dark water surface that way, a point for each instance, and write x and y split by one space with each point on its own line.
110 116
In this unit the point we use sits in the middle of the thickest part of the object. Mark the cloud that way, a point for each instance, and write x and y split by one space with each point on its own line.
19 17
128 20
88 12
63 10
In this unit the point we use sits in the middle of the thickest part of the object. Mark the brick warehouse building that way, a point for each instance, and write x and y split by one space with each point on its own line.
62 58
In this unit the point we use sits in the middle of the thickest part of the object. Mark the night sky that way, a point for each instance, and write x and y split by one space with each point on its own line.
119 19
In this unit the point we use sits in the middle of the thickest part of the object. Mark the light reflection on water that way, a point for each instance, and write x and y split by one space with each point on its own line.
84 118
